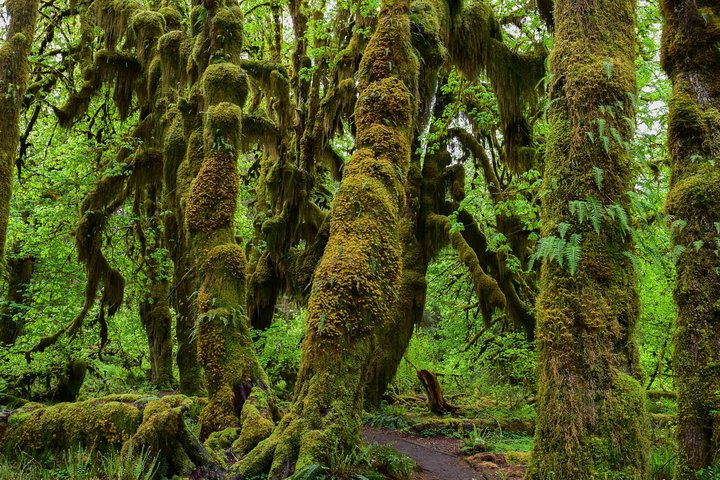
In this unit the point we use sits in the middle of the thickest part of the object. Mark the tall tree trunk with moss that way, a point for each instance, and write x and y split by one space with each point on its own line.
591 413
237 385
692 61
14 72
356 283
155 307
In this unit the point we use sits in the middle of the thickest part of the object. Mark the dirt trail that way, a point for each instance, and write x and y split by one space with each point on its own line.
440 458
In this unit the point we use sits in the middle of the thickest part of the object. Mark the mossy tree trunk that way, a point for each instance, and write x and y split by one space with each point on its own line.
692 61
591 414
20 269
14 72
237 385
356 283
155 307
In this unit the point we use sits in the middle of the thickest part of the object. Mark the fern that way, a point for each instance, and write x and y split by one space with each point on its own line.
598 176
579 209
563 229
617 213
608 68
572 252
677 251
596 210
633 258
558 249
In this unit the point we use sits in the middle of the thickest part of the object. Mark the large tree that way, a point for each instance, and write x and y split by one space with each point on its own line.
591 421
357 280
692 61
14 72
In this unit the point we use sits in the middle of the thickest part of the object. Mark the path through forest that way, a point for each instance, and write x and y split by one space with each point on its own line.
439 458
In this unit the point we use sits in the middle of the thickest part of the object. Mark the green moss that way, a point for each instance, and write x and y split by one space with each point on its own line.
696 192
226 30
113 16
96 424
213 194
687 123
173 56
222 128
255 428
225 82
172 17
227 261
147 26
591 414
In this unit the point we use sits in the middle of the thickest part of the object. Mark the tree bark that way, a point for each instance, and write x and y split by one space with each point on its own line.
591 413
14 73
692 61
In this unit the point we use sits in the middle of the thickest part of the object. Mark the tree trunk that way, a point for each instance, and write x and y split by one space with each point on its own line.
356 284
692 61
14 72
154 308
591 414
20 270
237 385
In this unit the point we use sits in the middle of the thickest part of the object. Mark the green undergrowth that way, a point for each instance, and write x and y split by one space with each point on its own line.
483 424
77 463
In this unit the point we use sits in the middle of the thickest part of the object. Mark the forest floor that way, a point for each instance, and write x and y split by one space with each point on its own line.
440 458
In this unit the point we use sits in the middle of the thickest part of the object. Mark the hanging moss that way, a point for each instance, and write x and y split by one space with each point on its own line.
274 81
222 128
476 45
146 26
77 102
174 48
173 18
113 16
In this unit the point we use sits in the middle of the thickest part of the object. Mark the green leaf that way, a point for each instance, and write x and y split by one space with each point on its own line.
572 252
563 229
608 68
598 176
596 210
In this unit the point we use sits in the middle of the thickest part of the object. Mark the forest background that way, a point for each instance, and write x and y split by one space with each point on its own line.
126 222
